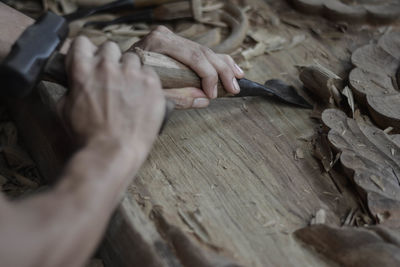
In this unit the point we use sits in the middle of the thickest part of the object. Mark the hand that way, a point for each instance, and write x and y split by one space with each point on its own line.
208 65
112 97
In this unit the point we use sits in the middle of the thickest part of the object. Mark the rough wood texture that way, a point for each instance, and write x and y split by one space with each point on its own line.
355 247
372 160
375 11
226 178
374 80
321 82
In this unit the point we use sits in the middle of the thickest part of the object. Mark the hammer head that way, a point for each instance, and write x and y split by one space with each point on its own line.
22 68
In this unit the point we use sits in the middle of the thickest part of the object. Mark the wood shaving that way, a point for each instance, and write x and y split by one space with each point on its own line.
350 98
298 154
296 40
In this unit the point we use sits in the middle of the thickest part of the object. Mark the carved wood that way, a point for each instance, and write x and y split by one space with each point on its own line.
356 247
371 158
374 11
374 80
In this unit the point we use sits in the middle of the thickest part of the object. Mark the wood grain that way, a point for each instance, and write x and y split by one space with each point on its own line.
372 160
226 178
355 247
353 11
374 80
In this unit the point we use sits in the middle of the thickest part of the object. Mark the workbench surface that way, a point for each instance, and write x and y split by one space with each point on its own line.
233 165
233 180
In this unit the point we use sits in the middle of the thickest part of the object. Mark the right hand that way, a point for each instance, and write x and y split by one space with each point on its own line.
112 97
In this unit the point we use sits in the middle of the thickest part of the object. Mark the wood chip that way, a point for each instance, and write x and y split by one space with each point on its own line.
298 154
350 99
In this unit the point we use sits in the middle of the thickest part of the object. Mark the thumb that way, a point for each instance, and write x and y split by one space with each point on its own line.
186 98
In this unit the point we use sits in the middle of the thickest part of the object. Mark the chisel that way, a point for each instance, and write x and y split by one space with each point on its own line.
174 74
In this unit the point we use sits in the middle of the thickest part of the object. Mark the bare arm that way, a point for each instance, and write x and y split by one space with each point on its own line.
115 109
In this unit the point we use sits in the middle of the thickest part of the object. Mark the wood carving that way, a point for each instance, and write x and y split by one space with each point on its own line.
374 11
371 158
356 247
375 80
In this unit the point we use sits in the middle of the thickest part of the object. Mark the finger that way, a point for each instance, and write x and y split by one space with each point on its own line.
152 80
186 98
150 71
225 73
109 51
239 73
81 50
130 61
189 53
194 58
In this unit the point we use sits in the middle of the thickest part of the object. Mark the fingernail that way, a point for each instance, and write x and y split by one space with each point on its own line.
236 85
201 103
215 91
239 69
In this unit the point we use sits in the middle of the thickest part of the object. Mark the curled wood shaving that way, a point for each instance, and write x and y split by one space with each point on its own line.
350 98
258 50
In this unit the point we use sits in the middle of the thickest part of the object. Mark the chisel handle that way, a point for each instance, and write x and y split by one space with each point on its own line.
172 73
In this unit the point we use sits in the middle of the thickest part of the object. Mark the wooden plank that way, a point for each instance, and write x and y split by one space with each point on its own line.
224 181
233 164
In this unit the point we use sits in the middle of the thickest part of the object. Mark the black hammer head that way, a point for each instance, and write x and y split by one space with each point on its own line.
22 68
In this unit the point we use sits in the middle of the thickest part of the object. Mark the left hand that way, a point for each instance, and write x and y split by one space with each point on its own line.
208 65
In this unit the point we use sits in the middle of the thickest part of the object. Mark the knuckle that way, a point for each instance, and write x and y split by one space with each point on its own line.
80 39
161 29
153 40
228 59
182 102
155 35
109 44
207 51
212 75
225 69
196 56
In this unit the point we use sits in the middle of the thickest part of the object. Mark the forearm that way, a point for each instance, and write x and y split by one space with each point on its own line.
69 220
